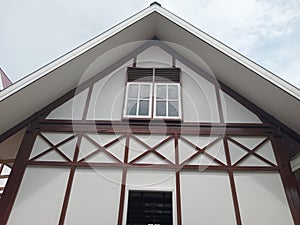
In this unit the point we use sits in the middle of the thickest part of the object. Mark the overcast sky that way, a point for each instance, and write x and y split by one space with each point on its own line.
35 32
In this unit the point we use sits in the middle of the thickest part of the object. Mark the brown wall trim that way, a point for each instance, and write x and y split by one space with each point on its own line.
13 184
123 185
287 177
70 183
178 188
89 83
18 127
232 184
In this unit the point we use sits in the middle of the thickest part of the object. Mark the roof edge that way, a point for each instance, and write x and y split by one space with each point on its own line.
243 60
272 78
41 72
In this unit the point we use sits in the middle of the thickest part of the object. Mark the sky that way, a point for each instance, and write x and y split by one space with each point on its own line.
35 32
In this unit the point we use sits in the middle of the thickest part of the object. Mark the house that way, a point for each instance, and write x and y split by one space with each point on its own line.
151 122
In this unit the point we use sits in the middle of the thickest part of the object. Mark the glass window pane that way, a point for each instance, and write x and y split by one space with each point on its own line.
144 108
133 90
161 92
173 92
173 108
131 107
161 108
145 91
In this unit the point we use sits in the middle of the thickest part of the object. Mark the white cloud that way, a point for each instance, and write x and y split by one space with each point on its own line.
263 30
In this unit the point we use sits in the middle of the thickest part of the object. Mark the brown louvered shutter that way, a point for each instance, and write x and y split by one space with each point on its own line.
167 74
139 74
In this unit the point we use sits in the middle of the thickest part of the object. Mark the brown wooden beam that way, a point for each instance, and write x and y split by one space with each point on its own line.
13 184
287 177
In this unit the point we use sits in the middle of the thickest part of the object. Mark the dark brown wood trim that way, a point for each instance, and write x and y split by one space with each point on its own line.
70 183
219 103
201 151
87 103
53 147
177 177
287 177
178 199
46 110
102 148
153 150
235 199
152 166
156 127
18 127
186 62
67 196
123 185
251 152
13 184
134 62
173 61
232 184
262 115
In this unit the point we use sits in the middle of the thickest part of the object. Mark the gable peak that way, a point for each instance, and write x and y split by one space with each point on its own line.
155 3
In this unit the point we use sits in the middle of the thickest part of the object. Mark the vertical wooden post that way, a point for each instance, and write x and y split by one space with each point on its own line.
232 184
70 182
13 184
178 192
287 177
123 185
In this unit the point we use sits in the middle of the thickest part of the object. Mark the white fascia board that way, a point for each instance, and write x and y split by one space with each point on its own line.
74 53
277 81
295 163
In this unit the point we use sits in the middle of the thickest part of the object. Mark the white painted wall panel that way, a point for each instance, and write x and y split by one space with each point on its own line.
40 197
206 198
108 96
234 112
198 97
72 109
94 197
262 199
154 57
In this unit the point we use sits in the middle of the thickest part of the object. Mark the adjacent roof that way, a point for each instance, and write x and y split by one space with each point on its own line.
258 85
4 80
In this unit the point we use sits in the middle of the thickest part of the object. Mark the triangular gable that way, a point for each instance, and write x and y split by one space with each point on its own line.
103 98
154 20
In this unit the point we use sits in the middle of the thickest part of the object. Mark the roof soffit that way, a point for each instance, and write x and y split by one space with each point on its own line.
228 66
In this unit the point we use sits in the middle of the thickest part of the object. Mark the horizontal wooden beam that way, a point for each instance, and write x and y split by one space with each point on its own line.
158 127
152 166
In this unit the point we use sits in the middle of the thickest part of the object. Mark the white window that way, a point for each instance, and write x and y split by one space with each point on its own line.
153 93
138 100
167 101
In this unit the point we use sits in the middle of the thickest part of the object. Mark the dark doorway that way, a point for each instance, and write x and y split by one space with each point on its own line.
149 208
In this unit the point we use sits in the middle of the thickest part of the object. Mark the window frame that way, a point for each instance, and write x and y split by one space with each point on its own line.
152 100
151 189
138 99
167 100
